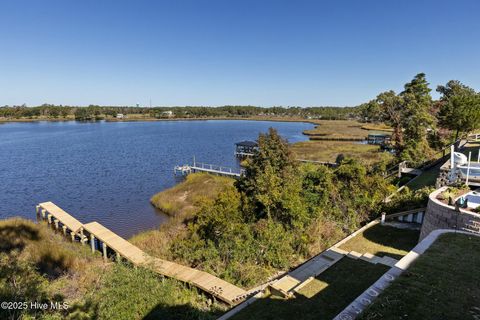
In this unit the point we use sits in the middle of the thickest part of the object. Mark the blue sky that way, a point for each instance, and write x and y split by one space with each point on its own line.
258 52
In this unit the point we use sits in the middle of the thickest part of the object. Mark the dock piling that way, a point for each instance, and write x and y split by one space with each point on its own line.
104 252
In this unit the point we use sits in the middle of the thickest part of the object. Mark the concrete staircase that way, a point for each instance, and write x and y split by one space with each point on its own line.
286 285
368 257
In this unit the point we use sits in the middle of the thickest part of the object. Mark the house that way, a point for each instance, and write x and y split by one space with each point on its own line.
120 116
245 148
379 138
167 114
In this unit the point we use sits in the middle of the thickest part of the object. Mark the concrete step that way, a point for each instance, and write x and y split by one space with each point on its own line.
283 286
368 257
354 255
388 261
335 253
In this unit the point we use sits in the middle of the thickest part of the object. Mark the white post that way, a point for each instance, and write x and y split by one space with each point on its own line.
44 212
56 224
104 252
468 167
194 161
37 209
64 230
478 155
92 242
452 158
452 164
383 217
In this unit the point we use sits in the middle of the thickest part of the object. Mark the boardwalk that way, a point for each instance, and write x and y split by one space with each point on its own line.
97 233
209 168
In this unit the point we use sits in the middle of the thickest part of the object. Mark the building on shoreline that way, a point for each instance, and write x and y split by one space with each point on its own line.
245 148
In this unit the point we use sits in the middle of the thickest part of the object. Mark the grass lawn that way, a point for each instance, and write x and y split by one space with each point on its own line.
444 283
329 150
383 241
427 178
182 199
323 298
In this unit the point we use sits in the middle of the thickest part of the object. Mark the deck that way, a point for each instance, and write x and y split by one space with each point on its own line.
211 284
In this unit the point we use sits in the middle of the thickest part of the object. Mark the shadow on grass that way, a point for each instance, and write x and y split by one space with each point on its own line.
390 237
15 236
179 312
323 298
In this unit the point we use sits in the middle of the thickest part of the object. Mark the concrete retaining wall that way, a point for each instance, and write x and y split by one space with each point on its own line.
442 216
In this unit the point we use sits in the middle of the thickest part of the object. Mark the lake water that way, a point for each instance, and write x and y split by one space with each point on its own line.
107 171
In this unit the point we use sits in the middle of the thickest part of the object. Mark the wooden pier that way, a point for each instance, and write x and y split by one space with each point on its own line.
209 168
106 241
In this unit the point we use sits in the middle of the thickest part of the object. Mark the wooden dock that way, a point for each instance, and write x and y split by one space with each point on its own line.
209 168
104 239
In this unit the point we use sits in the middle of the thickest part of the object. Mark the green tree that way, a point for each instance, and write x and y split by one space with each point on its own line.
272 183
459 108
369 112
409 115
82 114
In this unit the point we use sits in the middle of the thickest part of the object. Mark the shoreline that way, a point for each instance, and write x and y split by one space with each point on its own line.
274 119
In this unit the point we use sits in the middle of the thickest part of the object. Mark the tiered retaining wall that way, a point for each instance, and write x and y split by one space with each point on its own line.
442 216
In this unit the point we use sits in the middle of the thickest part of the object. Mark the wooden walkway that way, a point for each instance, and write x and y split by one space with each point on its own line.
217 287
209 168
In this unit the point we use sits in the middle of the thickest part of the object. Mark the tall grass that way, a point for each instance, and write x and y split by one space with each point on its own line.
129 293
39 264
183 199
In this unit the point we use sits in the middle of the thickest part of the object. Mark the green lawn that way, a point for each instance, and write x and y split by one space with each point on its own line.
383 241
323 298
426 179
444 283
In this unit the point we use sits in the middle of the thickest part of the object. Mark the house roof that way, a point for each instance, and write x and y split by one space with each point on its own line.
247 143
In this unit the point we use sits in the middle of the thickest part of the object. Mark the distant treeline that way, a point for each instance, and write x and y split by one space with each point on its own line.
100 112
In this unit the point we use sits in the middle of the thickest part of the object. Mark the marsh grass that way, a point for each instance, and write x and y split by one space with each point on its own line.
338 129
180 202
328 151
183 199
39 264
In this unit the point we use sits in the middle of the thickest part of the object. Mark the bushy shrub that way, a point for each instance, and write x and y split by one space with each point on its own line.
279 214
407 199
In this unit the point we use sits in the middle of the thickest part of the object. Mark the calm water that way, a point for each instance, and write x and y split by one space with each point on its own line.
107 171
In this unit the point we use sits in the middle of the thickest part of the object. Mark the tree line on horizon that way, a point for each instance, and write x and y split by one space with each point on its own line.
96 112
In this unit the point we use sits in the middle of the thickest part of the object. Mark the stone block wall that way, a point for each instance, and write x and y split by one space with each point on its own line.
443 216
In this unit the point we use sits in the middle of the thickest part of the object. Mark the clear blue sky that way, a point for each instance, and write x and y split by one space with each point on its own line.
258 52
